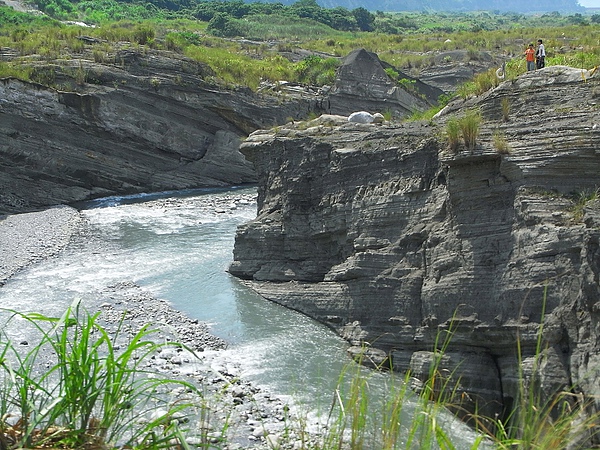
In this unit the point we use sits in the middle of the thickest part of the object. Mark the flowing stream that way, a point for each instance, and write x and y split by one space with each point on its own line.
178 248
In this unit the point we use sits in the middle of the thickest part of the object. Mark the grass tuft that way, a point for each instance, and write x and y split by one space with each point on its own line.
93 394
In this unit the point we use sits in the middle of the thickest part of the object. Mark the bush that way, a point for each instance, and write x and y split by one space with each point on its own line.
316 70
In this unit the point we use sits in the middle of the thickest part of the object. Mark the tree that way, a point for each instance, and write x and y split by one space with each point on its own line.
364 19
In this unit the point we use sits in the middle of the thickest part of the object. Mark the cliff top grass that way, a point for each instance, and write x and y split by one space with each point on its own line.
245 48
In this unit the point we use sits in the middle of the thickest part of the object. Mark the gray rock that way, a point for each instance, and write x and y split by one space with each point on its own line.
143 122
400 239
148 121
361 117
363 84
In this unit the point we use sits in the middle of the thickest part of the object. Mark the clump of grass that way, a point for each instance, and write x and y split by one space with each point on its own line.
8 70
93 395
581 199
469 128
466 127
500 143
505 106
453 134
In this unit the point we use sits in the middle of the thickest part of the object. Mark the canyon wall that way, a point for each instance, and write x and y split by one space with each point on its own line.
145 121
391 238
141 120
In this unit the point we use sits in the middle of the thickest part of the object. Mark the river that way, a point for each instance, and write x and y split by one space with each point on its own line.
178 246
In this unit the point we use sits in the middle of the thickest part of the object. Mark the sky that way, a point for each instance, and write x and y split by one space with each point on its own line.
590 3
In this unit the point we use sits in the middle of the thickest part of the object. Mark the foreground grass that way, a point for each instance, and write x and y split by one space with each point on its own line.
98 395
94 394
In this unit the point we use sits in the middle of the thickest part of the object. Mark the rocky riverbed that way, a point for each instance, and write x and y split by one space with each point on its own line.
255 419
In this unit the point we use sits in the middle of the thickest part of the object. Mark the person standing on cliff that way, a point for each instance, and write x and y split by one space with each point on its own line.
540 55
530 58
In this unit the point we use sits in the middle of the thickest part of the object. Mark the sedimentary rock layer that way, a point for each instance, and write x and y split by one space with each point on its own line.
387 236
144 121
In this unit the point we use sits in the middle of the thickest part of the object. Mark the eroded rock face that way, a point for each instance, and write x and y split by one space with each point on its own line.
141 122
145 120
386 236
363 84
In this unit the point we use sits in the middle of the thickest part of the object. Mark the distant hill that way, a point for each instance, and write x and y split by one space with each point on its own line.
451 5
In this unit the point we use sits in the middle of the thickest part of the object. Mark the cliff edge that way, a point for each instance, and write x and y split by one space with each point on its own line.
386 235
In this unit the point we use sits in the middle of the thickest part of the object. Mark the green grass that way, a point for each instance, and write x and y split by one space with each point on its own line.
453 134
469 128
93 394
247 63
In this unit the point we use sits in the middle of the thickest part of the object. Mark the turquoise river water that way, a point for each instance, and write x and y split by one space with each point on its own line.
179 248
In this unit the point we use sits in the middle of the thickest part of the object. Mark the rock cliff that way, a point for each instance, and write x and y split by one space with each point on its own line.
148 123
387 236
142 120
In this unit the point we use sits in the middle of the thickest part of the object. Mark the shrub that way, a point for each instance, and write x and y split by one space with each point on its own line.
316 70
143 34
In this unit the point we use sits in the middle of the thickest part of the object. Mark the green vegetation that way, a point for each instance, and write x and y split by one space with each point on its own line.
93 394
466 127
581 199
203 31
87 397
95 391
469 128
500 143
453 134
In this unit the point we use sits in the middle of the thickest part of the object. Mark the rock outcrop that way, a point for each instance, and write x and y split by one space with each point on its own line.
145 120
388 237
363 84
148 123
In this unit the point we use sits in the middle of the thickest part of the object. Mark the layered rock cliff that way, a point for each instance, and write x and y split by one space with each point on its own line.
146 123
142 120
387 236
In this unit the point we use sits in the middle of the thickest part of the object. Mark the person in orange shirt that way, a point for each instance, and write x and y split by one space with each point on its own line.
530 57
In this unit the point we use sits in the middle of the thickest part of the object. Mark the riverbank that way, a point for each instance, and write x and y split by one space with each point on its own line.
252 418
30 237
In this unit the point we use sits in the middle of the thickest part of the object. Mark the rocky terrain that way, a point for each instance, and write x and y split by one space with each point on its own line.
388 236
134 119
382 231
